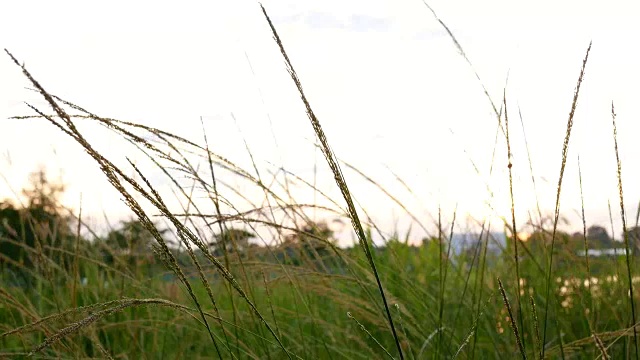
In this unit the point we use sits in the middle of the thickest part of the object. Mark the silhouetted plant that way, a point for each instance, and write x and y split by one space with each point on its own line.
38 230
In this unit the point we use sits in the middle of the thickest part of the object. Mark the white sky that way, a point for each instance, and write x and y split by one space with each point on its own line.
383 77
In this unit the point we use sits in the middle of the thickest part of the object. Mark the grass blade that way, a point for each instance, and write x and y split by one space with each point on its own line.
624 230
565 150
339 178
512 320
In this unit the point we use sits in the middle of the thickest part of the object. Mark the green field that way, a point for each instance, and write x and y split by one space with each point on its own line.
271 283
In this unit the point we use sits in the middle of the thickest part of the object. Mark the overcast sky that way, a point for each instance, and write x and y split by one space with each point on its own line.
384 78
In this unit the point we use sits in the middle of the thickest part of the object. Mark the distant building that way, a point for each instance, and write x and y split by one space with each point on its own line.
604 252
496 242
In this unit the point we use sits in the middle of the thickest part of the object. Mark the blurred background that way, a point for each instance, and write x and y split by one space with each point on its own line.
394 94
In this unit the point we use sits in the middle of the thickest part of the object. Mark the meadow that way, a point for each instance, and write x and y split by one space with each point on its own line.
192 285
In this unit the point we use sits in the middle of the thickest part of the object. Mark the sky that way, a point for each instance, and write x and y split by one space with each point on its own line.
391 90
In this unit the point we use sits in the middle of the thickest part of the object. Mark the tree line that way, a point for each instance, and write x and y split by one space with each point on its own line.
40 235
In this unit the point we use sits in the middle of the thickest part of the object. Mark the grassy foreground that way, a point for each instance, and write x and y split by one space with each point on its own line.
298 295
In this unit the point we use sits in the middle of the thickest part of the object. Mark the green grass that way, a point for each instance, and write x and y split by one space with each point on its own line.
302 296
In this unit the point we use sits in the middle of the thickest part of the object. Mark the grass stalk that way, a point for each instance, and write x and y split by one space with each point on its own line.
514 326
514 229
565 151
340 181
627 244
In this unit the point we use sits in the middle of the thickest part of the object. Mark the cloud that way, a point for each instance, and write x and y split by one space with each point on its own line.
369 69
322 20
369 23
352 22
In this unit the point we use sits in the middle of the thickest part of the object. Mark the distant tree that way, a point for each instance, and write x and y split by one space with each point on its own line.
233 240
40 229
634 239
599 236
565 247
131 241
132 236
314 239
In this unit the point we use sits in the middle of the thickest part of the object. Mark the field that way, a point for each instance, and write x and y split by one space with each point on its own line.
212 280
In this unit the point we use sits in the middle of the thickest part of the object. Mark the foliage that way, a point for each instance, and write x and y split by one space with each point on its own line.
599 237
38 231
304 297
634 239
130 242
231 240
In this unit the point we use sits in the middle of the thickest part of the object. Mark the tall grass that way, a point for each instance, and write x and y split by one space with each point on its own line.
299 295
624 230
563 163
